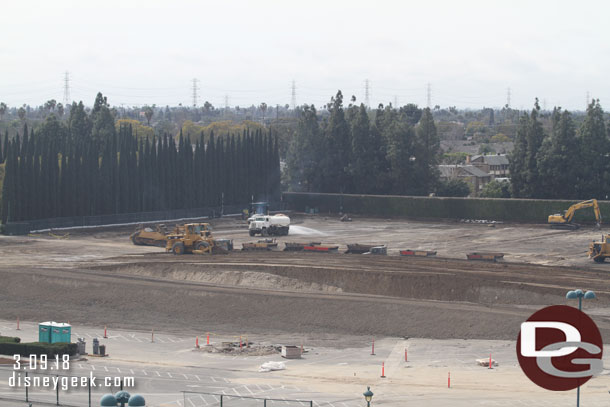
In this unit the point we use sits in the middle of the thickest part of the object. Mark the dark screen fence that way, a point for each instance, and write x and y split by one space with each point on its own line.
23 228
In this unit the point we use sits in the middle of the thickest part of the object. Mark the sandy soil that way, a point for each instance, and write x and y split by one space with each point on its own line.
99 277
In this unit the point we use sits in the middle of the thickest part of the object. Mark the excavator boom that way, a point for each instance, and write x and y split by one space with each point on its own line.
564 221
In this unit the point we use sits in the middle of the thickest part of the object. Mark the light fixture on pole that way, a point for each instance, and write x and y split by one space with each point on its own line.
580 294
368 396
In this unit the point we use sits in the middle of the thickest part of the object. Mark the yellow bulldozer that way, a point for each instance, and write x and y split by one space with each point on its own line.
564 220
196 238
147 236
598 251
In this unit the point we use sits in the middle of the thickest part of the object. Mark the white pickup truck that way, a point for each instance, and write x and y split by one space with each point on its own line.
267 225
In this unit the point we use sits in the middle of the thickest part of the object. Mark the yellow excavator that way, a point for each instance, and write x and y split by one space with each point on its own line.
564 221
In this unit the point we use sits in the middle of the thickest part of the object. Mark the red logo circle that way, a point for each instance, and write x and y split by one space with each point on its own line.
556 367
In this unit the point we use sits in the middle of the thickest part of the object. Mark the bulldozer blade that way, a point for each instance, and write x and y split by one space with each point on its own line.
219 250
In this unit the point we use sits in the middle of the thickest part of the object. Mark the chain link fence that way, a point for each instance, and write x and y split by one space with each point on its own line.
203 399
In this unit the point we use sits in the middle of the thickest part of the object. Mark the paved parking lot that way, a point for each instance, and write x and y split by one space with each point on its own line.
328 376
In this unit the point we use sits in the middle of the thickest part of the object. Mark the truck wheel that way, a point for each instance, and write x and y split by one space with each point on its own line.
264 232
178 248
252 233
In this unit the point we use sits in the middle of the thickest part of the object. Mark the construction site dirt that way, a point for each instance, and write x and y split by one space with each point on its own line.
99 277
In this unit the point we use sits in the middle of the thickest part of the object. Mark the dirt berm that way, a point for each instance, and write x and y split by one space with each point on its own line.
298 293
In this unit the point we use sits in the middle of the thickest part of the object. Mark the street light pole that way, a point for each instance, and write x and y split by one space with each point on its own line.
368 396
580 294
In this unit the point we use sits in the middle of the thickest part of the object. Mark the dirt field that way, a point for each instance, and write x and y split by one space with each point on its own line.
99 277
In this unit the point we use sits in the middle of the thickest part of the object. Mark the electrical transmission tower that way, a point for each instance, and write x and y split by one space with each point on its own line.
507 97
195 89
429 95
294 95
367 92
66 89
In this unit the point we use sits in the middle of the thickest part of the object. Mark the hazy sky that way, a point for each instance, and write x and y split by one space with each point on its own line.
145 52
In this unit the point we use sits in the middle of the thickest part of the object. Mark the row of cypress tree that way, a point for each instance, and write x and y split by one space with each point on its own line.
52 172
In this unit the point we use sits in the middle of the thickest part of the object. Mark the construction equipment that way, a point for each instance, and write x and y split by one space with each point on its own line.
485 256
146 236
564 221
321 248
418 253
278 225
598 251
195 238
298 247
266 244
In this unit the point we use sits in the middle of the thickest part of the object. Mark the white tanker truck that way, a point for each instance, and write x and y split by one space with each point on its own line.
266 225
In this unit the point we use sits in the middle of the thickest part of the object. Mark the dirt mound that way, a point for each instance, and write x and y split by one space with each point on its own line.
203 273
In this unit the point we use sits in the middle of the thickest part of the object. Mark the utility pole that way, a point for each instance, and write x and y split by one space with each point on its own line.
429 95
66 89
367 86
195 88
294 95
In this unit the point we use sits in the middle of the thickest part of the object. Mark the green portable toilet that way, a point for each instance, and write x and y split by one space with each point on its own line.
44 332
66 333
60 332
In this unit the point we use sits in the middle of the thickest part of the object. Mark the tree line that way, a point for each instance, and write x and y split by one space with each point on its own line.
396 152
565 162
87 167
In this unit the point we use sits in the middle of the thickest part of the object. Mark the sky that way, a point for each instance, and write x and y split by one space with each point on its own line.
471 53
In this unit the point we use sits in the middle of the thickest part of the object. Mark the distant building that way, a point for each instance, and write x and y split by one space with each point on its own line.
494 164
473 175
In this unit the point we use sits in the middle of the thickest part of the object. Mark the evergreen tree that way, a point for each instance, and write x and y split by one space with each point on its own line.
7 186
79 124
595 171
335 165
559 159
525 178
364 167
102 122
426 154
5 147
305 152
400 137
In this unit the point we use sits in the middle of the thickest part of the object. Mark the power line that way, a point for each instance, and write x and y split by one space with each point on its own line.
66 88
294 95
